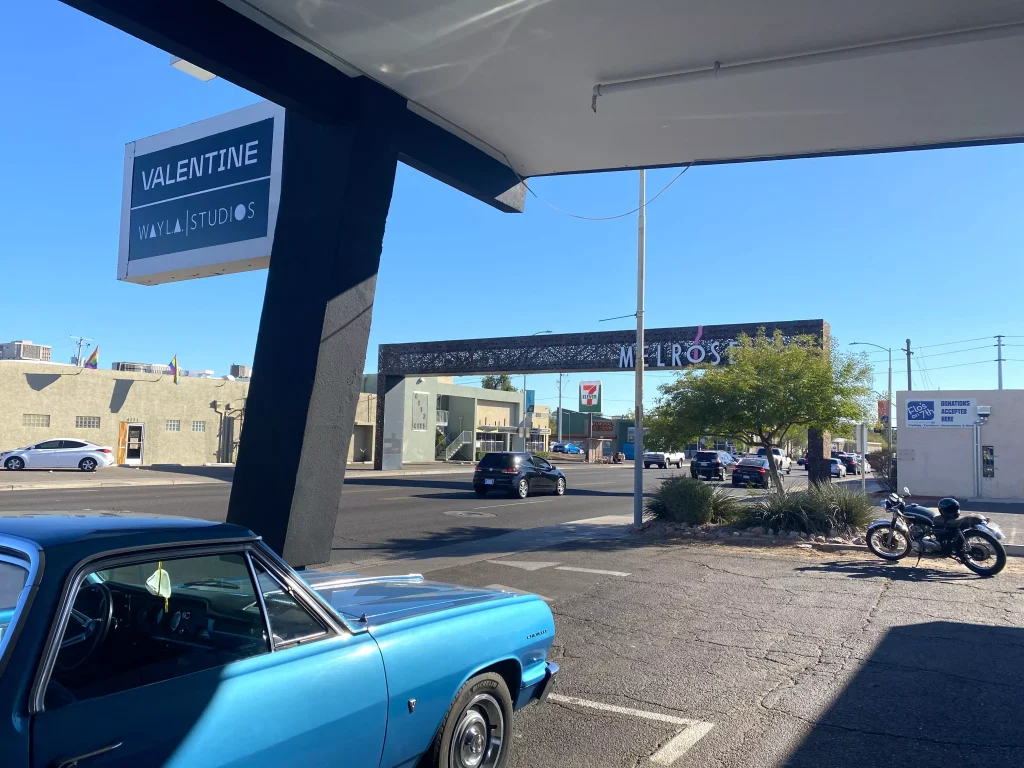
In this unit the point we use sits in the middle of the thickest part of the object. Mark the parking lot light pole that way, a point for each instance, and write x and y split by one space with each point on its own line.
888 395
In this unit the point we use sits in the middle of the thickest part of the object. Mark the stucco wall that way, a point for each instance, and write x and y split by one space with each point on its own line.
64 392
939 462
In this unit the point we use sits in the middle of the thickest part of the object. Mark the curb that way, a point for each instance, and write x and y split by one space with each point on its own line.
1012 550
106 484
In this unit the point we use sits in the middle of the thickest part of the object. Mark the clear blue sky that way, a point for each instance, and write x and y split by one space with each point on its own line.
925 245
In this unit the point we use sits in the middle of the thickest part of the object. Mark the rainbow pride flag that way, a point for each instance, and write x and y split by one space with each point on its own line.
174 368
94 359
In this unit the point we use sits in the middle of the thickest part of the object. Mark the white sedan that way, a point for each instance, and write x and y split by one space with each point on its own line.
838 468
63 453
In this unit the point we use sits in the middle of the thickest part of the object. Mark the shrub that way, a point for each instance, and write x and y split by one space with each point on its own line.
884 466
821 509
682 499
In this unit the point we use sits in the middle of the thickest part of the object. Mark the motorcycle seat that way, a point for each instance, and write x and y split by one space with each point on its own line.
966 521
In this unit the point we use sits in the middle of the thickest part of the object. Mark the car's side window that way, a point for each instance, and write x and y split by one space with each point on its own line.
290 622
49 445
71 444
538 461
146 622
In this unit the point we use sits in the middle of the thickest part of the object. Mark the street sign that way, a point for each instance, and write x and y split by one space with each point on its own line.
883 411
202 199
531 400
590 397
935 412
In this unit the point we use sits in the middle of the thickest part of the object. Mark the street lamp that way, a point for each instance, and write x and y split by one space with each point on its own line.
889 395
525 428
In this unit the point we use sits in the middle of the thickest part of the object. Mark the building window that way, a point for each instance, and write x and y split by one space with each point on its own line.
87 422
35 419
174 425
198 426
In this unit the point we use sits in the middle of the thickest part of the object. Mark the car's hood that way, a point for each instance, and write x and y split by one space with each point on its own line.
380 600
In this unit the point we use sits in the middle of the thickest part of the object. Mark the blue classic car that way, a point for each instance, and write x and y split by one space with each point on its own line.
154 641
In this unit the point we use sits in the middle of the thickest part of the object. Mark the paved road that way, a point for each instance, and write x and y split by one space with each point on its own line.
381 517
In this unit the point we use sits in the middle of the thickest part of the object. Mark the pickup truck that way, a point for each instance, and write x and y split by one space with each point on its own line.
663 459
782 461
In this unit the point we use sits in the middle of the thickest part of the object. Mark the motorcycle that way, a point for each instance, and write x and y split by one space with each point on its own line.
972 539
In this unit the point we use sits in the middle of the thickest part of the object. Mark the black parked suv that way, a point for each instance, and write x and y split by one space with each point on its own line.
517 473
711 464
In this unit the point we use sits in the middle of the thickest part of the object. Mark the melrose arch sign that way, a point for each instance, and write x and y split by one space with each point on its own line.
664 349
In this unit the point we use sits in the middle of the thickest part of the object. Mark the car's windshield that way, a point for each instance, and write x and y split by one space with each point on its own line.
12 583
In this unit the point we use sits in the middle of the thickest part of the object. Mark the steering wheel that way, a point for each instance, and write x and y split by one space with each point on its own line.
88 625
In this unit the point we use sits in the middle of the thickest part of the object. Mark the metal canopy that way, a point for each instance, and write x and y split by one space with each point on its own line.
516 77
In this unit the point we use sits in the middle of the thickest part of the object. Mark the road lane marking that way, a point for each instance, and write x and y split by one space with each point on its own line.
526 565
591 570
513 504
693 730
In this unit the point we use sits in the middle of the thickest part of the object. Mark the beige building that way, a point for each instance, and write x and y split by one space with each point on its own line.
145 418
936 460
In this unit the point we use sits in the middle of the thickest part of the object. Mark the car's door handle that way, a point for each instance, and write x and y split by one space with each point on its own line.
72 762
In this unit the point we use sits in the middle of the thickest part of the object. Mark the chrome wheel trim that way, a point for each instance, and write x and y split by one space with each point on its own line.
889 541
560 486
479 735
524 489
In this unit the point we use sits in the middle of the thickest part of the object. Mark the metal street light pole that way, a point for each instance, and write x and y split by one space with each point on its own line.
638 357
889 394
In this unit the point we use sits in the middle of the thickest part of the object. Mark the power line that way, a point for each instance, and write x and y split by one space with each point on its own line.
947 343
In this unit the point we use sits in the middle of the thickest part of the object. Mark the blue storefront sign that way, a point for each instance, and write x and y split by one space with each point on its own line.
202 199
530 400
938 412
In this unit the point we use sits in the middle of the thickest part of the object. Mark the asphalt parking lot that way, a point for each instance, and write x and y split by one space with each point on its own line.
686 653
703 655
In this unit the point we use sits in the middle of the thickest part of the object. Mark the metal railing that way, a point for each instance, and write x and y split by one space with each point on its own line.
445 452
442 418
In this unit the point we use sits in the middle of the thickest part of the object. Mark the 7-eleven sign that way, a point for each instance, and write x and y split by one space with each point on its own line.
590 397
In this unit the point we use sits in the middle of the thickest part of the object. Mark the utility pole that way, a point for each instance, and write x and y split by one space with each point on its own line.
560 406
909 384
80 342
638 357
999 359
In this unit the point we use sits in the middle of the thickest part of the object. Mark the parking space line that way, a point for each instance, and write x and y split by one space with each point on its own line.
503 588
693 730
591 570
526 565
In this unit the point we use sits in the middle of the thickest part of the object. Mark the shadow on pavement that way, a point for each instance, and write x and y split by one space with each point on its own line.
860 569
934 694
217 473
428 544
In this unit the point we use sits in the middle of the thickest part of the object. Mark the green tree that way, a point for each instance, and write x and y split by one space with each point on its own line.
499 381
767 388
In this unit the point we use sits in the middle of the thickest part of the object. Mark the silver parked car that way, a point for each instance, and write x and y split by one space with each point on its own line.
62 453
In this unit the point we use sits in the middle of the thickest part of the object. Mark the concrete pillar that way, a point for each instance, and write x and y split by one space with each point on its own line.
336 190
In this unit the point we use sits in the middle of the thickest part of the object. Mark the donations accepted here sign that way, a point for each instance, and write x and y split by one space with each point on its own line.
936 412
202 200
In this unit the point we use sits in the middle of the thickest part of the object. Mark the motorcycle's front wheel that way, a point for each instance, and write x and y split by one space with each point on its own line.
983 553
888 543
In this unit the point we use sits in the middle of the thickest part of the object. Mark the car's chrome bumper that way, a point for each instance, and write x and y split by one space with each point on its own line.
545 687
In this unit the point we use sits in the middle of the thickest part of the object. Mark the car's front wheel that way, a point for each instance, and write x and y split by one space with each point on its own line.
476 732
560 486
15 463
88 464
